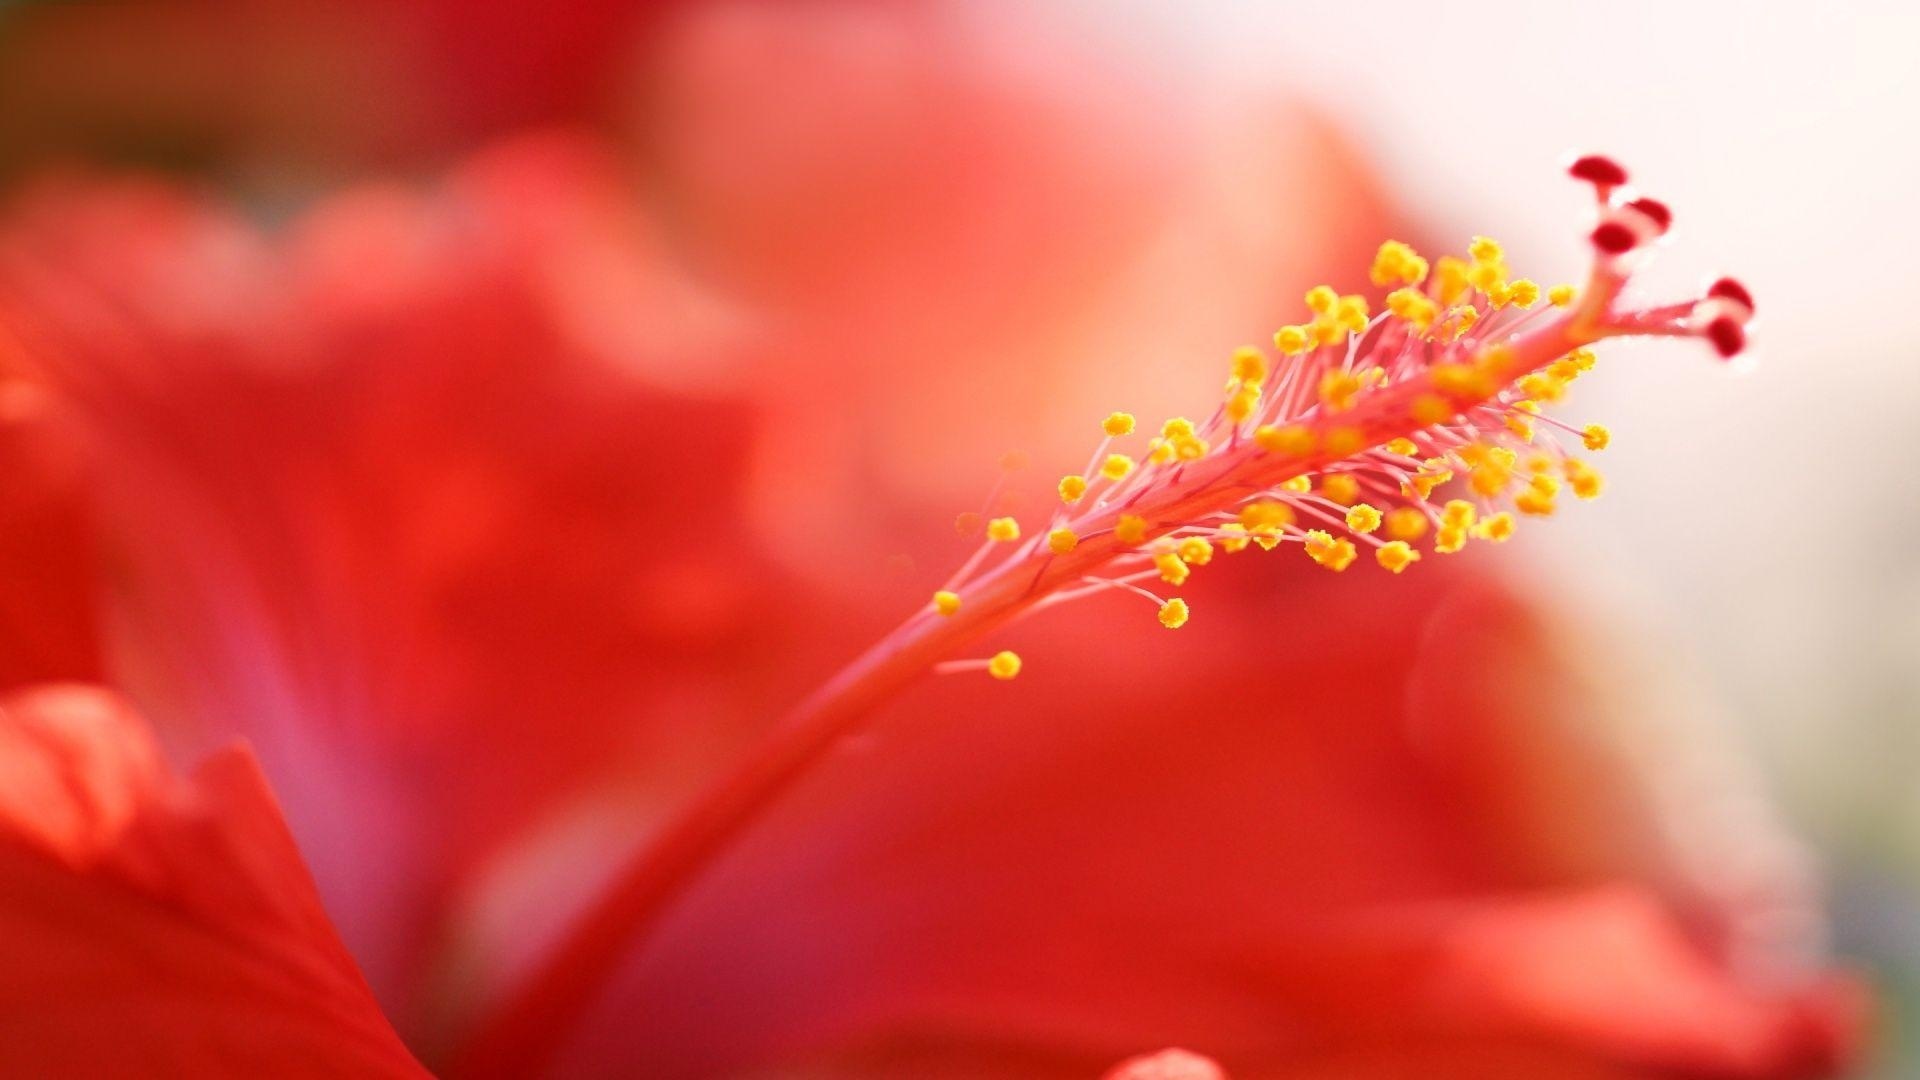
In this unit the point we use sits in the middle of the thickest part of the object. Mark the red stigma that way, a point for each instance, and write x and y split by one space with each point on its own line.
1598 169
1729 289
1614 238
1655 210
1727 336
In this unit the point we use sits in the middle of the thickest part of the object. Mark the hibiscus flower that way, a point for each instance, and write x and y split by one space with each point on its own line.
498 517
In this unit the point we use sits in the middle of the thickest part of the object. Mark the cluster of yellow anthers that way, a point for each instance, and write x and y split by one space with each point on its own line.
1411 430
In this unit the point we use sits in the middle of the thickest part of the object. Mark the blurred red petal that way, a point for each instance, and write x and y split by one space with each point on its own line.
151 925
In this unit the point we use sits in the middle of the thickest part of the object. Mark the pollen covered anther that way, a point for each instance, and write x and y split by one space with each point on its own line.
1004 665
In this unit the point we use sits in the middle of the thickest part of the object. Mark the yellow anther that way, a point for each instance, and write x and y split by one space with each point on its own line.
1243 403
1266 512
1584 479
1499 294
1449 540
1159 452
1296 439
1003 530
1526 406
1496 361
1341 488
1267 536
1431 409
1338 389
1582 359
1464 319
1535 502
1413 306
1060 541
946 603
1489 478
1457 514
1236 541
1195 551
1177 428
1403 447
1004 665
1118 424
1072 486
1345 441
1542 386
1524 293
1173 569
1422 483
1362 518
1396 555
1351 313
1130 529
1116 467
1520 426
1485 249
1449 280
1396 263
967 523
1292 340
1321 299
1248 365
1563 370
1329 552
1540 463
1561 295
1544 483
1498 528
1406 523
1189 448
1487 276
1299 485
1173 614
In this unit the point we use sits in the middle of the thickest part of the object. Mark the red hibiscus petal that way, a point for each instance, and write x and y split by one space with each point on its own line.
151 925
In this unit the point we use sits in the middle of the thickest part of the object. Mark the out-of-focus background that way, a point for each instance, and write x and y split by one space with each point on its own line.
1758 543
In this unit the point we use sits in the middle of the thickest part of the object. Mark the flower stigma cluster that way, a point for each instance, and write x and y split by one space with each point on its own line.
1381 436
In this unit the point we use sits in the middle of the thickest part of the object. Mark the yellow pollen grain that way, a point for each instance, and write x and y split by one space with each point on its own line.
1173 614
1299 485
1003 530
1249 366
1403 447
1195 551
1363 518
1177 428
1291 340
946 603
1116 467
1235 539
1130 529
1498 528
1597 437
1173 569
1345 441
1561 295
1341 488
1321 299
1524 293
1072 486
1338 389
1061 541
1004 665
1396 555
1449 280
1406 523
1243 403
1457 514
1333 554
1266 512
1118 424
1296 439
1449 540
